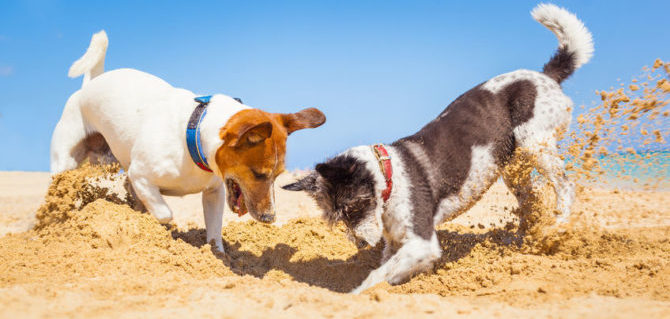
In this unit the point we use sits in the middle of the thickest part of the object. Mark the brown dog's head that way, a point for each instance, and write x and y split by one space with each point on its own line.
252 155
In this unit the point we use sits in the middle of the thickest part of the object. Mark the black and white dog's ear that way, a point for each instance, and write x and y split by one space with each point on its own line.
307 183
334 171
326 170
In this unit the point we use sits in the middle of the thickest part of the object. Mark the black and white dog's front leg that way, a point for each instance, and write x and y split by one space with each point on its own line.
390 248
415 255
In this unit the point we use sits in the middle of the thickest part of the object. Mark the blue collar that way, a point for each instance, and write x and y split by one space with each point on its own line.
193 133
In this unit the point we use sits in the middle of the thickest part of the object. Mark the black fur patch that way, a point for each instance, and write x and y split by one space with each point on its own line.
346 190
560 66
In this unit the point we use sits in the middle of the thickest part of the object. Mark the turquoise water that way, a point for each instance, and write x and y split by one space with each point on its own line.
654 166
637 170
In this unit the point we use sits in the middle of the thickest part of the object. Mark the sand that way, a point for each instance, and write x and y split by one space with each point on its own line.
21 193
108 260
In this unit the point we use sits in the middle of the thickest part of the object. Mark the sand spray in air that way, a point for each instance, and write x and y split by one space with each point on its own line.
624 135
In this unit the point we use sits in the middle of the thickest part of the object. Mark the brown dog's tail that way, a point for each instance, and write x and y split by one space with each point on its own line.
575 43
92 63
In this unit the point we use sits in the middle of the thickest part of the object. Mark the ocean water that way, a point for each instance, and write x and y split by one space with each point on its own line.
644 170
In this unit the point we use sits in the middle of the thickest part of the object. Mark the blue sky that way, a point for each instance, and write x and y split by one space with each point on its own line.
379 70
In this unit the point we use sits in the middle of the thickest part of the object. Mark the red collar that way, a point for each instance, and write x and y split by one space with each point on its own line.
385 165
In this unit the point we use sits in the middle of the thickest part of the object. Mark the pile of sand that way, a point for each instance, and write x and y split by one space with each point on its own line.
69 192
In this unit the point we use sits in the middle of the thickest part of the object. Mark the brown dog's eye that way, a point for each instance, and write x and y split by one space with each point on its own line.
259 176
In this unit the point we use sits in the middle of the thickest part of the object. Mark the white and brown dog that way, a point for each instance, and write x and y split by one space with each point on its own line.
171 143
401 192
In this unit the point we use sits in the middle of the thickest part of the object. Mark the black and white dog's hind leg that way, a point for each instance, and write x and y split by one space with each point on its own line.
551 166
517 177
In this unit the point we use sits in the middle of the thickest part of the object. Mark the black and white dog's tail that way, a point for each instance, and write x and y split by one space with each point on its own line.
92 63
575 44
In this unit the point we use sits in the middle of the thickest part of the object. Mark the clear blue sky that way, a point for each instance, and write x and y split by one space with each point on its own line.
379 70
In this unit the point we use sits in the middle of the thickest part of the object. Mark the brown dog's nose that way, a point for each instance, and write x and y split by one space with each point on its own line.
267 218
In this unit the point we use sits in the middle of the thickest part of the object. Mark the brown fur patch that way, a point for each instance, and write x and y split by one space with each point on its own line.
254 149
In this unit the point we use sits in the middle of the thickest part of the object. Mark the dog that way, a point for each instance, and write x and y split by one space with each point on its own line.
402 191
171 142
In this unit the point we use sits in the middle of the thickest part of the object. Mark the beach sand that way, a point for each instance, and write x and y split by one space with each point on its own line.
108 260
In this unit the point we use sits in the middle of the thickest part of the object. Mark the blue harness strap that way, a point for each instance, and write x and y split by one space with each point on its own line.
193 133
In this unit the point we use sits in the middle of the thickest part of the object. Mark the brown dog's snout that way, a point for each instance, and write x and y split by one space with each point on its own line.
267 218
260 203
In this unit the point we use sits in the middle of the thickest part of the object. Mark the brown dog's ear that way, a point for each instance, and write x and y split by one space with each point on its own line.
307 118
249 135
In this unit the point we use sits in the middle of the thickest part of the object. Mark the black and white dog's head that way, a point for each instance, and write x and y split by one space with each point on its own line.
346 190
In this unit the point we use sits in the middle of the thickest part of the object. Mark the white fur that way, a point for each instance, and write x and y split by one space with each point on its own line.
92 63
570 31
143 120
497 83
370 229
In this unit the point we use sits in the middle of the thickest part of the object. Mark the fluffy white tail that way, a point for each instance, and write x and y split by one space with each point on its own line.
92 63
575 42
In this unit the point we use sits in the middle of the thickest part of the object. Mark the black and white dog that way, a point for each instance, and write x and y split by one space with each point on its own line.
402 191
